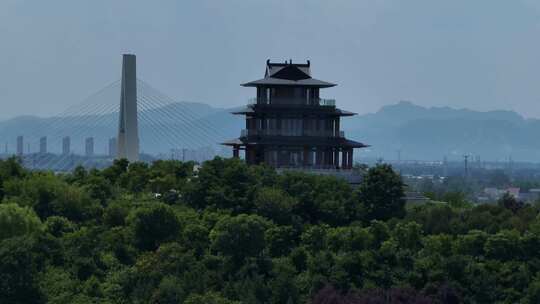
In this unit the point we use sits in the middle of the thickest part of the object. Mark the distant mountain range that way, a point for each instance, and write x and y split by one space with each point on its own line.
431 133
419 133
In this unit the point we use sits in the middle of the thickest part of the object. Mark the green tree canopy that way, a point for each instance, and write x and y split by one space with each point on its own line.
275 204
381 192
154 224
231 233
17 221
239 236
19 271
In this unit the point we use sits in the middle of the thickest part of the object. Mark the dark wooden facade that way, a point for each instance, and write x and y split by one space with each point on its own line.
288 125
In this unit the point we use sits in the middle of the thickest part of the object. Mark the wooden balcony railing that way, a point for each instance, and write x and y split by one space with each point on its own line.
281 132
318 102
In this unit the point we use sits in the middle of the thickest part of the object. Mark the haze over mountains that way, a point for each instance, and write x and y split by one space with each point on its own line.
419 133
432 133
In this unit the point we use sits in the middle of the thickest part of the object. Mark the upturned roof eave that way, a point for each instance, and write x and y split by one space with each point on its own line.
269 81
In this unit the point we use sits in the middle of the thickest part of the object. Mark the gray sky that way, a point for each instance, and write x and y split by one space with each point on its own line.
481 54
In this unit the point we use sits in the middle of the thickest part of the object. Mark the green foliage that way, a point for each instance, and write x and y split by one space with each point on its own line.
169 291
98 187
209 298
239 236
17 221
48 195
196 238
275 204
9 169
19 269
533 292
381 192
153 225
320 199
280 240
116 213
58 226
223 183
231 233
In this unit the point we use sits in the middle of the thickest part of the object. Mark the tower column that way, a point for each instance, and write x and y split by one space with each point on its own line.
344 159
350 160
263 125
128 133
327 158
336 158
236 152
305 157
318 156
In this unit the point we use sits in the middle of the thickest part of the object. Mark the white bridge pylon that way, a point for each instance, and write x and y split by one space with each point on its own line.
128 128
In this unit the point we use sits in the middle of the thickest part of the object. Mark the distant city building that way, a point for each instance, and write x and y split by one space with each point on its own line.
288 125
531 196
66 145
113 147
198 155
89 146
513 191
43 145
494 194
20 145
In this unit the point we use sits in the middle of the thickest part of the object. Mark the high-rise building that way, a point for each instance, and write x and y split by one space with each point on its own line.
113 147
288 125
43 145
20 145
128 134
66 145
89 146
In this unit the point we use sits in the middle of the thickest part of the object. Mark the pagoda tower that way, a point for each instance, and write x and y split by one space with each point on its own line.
288 125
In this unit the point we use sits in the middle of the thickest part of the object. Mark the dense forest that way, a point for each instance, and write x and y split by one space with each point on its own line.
227 233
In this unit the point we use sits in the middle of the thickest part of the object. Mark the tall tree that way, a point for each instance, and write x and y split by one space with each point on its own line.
381 193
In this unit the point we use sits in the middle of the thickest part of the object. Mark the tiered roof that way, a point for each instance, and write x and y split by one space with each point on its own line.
288 73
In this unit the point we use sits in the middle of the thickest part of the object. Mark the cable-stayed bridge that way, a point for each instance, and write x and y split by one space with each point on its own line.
85 133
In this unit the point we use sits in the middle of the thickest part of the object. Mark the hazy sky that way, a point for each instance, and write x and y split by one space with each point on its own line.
477 54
